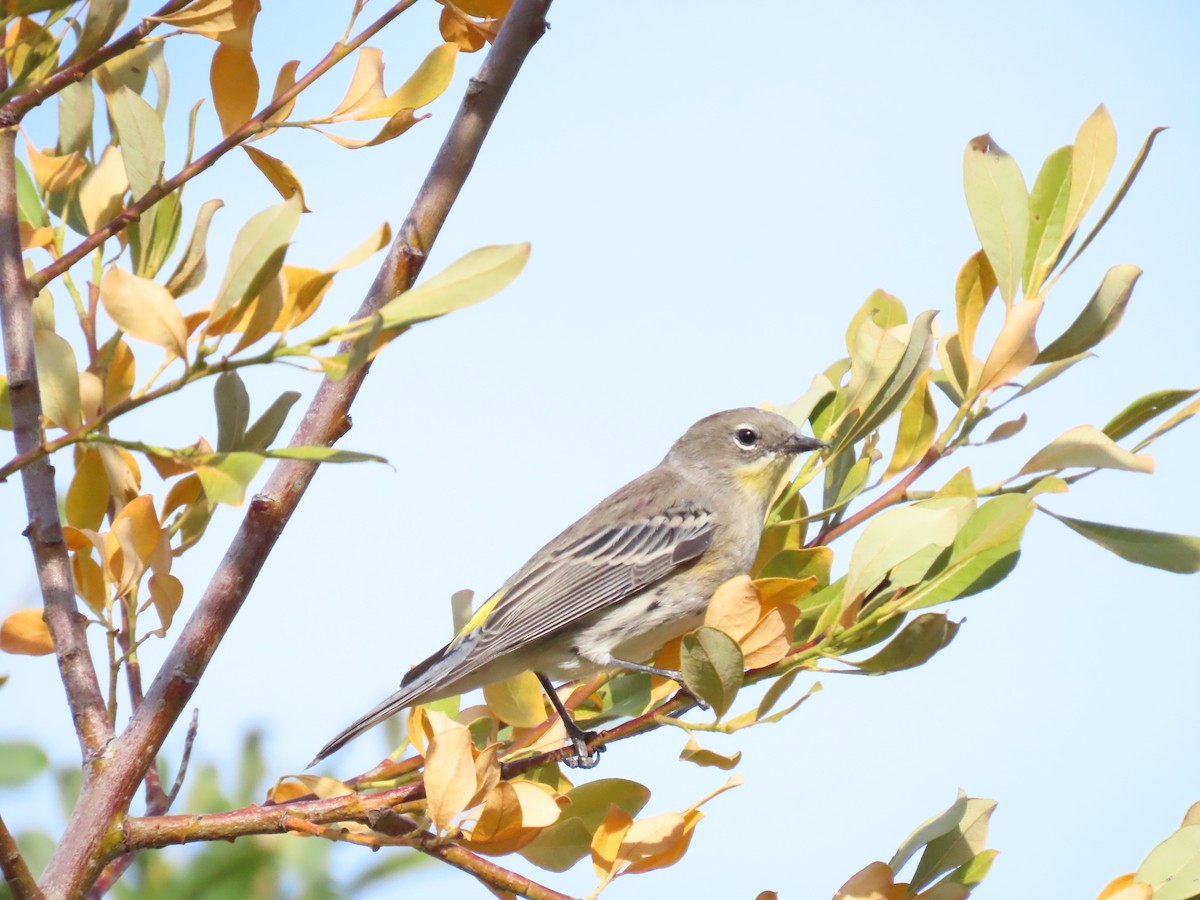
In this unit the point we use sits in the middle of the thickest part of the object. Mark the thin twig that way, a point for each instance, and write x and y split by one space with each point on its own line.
895 494
83 851
67 626
255 125
16 870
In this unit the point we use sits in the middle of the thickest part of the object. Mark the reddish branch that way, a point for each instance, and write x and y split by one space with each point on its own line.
16 871
898 493
94 833
67 626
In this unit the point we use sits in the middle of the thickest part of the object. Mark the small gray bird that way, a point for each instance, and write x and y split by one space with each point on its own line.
632 574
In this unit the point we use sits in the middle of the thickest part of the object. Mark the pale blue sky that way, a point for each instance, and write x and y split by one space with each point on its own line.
711 190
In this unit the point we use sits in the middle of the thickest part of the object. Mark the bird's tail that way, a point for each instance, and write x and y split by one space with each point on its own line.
426 681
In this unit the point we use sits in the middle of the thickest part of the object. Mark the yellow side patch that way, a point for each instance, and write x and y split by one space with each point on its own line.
479 616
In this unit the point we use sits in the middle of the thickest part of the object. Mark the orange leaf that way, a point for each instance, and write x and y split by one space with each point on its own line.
871 883
234 81
88 495
606 842
279 173
55 173
25 633
449 775
734 607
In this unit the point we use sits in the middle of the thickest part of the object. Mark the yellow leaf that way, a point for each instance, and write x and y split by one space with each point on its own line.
24 632
89 580
166 593
88 495
55 173
871 883
103 189
517 700
1015 348
234 81
144 309
392 128
777 591
120 376
262 313
734 607
606 842
379 238
917 429
184 492
366 85
449 775
229 21
58 379
423 87
279 173
1091 162
305 290
41 236
124 476
91 395
975 285
283 82
464 31
657 842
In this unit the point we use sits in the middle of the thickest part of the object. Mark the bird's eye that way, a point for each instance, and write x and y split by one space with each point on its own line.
746 437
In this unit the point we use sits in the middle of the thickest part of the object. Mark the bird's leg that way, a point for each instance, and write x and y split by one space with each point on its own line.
669 674
585 757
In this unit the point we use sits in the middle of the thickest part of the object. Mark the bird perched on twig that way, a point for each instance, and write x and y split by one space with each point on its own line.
631 575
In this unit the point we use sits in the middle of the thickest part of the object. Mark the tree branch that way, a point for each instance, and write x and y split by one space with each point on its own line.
45 534
92 835
255 125
16 871
895 494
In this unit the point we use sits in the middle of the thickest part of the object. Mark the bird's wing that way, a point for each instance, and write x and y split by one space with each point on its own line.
594 572
588 574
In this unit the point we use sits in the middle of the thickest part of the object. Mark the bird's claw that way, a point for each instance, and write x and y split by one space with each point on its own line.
585 757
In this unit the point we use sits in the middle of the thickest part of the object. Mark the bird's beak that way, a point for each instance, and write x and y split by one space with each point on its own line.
799 443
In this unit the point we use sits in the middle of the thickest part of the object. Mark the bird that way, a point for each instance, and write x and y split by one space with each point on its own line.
632 574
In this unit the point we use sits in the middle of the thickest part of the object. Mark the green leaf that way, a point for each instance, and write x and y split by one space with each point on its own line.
1006 430
1158 549
266 427
984 552
480 274
140 135
321 455
233 411
957 846
226 478
76 112
914 646
58 377
916 432
999 205
891 538
20 761
103 17
712 666
1049 372
568 840
1173 867
894 392
1047 218
153 237
257 255
974 870
6 423
1174 422
930 830
1086 446
1099 318
1145 408
190 271
29 201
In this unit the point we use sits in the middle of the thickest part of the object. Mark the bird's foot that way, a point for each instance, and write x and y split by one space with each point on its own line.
585 757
